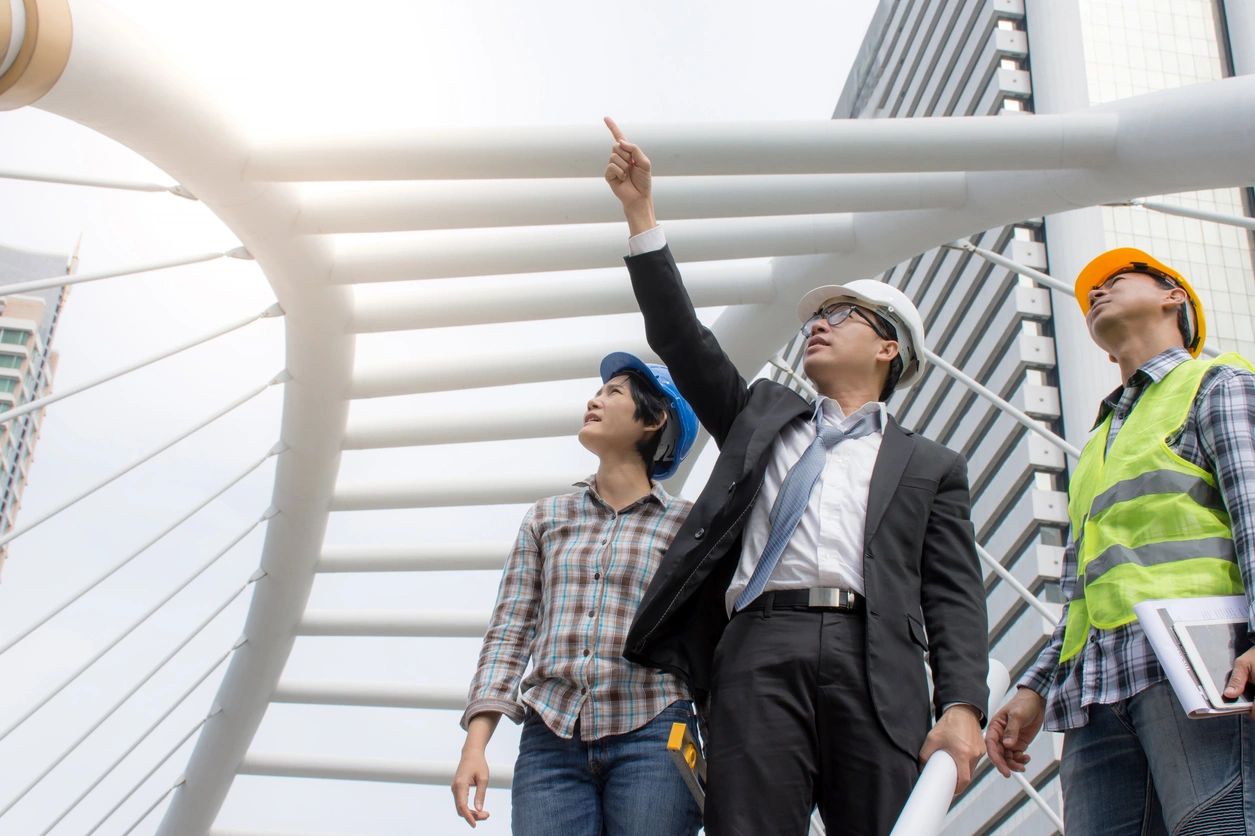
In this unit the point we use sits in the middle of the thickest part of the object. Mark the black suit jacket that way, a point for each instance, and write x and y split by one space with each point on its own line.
921 577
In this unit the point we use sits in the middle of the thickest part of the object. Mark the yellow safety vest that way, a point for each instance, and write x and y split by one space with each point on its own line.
1146 522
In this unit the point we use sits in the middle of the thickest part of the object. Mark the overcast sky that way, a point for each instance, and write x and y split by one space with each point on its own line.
284 68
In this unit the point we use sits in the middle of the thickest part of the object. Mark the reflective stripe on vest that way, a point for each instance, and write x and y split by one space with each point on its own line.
1147 523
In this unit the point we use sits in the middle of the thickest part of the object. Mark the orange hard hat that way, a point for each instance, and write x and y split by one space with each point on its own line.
1132 260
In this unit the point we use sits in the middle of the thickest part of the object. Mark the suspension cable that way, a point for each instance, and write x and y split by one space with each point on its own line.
169 754
133 626
144 736
1003 404
95 182
127 696
1020 589
57 610
243 399
40 403
80 278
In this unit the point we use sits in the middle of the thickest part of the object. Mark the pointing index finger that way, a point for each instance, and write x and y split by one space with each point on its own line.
614 128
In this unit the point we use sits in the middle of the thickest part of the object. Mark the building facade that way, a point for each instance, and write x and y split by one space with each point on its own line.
28 323
1013 58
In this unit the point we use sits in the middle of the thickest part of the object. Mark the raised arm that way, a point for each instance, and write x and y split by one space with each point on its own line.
705 374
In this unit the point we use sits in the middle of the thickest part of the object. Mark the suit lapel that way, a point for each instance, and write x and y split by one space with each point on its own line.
895 451
789 406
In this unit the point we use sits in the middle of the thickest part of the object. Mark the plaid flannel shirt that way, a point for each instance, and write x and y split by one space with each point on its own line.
1218 436
568 594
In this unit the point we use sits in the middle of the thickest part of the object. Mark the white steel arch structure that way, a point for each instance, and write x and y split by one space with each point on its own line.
825 201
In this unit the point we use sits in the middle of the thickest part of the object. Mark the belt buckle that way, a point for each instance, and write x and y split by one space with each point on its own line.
826 597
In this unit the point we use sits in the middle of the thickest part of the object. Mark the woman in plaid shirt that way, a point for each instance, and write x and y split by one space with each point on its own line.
592 758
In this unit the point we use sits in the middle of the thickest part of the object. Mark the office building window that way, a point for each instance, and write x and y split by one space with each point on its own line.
11 361
14 337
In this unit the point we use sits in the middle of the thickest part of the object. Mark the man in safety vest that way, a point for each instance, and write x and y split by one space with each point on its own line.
1162 505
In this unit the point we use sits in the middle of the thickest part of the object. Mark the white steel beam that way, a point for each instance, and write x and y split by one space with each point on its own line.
417 557
979 143
528 419
440 254
360 769
452 491
472 370
465 204
400 623
250 832
568 293
377 694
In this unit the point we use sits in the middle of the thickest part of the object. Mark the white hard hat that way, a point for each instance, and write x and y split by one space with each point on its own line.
889 302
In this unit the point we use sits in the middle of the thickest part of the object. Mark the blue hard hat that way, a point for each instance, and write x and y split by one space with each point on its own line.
681 430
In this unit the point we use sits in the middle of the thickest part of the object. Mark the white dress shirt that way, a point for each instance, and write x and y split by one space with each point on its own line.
826 549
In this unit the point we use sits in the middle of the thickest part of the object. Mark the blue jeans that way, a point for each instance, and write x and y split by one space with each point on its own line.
1142 767
622 785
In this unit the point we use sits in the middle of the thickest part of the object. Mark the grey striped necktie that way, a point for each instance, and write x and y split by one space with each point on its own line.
793 498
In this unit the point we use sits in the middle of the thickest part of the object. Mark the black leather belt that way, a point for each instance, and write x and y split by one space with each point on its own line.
827 598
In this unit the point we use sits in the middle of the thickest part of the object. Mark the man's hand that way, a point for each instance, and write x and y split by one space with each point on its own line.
1243 673
472 771
958 734
628 174
1013 728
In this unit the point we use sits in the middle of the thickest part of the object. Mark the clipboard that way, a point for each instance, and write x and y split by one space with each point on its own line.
1211 645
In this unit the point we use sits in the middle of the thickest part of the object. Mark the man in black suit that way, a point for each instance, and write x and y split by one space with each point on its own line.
806 612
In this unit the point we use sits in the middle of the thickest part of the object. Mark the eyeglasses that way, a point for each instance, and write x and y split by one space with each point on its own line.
836 314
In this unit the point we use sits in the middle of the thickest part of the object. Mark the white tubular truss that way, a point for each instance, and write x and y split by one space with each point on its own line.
565 293
984 143
1172 141
396 624
356 769
417 557
387 207
379 694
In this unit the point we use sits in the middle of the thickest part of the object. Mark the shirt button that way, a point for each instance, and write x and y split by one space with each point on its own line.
583 690
590 613
699 534
597 576
731 487
586 651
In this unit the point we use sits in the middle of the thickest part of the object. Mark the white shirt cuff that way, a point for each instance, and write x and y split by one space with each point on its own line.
651 240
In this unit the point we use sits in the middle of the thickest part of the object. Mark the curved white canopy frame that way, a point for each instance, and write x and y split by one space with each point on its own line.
981 172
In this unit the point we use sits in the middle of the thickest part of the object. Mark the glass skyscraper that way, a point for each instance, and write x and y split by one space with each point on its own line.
28 323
